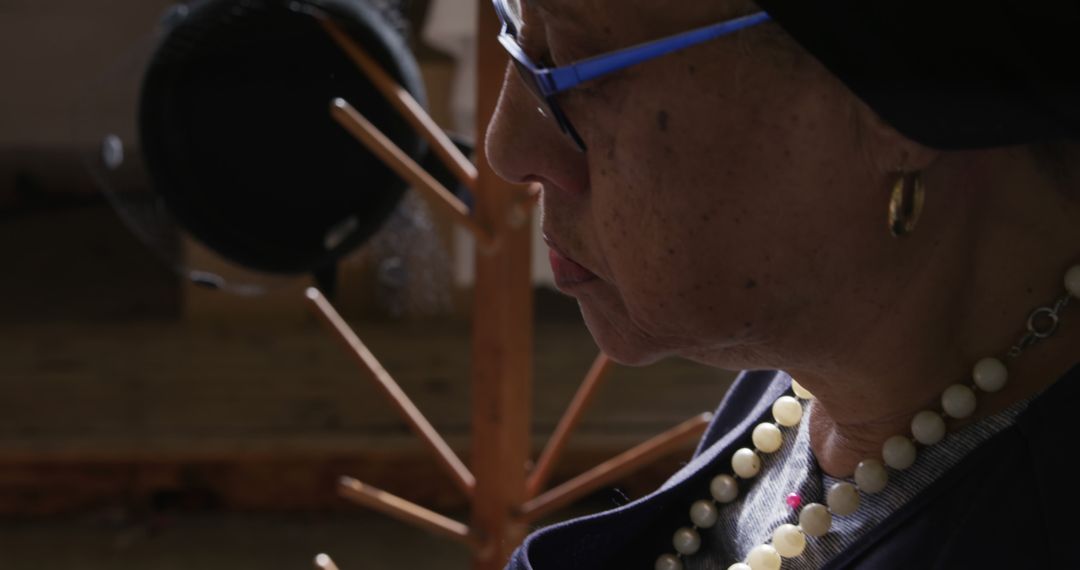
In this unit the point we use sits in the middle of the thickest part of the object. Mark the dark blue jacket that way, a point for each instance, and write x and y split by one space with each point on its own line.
1011 503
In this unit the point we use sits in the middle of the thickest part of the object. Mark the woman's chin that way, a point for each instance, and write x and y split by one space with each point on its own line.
620 341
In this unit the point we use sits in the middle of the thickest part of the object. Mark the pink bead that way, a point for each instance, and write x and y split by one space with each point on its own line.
794 500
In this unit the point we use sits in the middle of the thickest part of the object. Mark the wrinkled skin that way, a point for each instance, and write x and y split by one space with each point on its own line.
732 203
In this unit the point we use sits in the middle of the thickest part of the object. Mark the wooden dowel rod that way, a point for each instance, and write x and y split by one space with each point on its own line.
416 420
532 193
405 511
456 161
407 168
614 468
554 448
324 562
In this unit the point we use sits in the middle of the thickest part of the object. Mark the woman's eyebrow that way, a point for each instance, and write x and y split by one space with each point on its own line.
571 12
545 5
555 6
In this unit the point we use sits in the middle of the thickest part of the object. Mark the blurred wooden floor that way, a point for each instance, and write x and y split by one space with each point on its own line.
168 417
226 542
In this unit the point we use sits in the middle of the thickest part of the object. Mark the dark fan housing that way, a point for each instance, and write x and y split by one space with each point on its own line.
236 132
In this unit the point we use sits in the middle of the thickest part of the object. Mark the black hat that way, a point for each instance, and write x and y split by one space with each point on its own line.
951 74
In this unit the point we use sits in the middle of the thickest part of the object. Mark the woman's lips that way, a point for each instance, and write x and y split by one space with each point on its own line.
568 273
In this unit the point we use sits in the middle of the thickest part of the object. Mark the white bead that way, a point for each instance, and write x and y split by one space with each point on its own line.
668 562
990 374
927 427
871 476
800 392
1072 281
788 540
763 557
958 401
898 452
739 566
746 463
686 541
787 411
767 438
843 499
724 488
703 514
815 519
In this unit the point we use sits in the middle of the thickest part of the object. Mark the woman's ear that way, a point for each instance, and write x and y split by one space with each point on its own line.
887 149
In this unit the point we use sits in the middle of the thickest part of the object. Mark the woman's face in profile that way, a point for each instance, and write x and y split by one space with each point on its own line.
723 202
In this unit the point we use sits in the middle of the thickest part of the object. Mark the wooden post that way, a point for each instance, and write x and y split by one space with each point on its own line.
502 361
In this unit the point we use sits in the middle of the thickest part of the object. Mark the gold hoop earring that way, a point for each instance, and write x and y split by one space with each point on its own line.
906 204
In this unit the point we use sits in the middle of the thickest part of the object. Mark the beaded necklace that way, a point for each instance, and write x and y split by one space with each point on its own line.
898 453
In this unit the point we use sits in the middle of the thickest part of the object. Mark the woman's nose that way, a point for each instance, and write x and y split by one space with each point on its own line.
523 144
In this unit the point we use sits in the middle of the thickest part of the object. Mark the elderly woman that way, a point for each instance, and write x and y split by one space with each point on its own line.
871 204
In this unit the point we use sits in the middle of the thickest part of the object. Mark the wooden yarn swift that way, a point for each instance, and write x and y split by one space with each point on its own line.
506 496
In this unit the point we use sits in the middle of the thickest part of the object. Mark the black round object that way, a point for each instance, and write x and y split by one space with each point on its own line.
236 131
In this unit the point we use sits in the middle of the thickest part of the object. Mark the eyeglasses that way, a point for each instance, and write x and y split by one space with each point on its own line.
547 82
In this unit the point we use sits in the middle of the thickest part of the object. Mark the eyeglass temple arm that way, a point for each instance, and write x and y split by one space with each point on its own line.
563 78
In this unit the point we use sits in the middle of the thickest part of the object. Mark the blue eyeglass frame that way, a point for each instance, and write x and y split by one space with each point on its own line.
547 82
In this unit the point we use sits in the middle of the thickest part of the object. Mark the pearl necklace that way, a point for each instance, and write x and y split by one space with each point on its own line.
871 475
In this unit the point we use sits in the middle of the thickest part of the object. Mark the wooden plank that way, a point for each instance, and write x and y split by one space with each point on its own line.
270 482
147 389
163 388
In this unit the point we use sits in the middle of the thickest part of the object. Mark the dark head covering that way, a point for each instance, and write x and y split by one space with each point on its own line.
951 74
